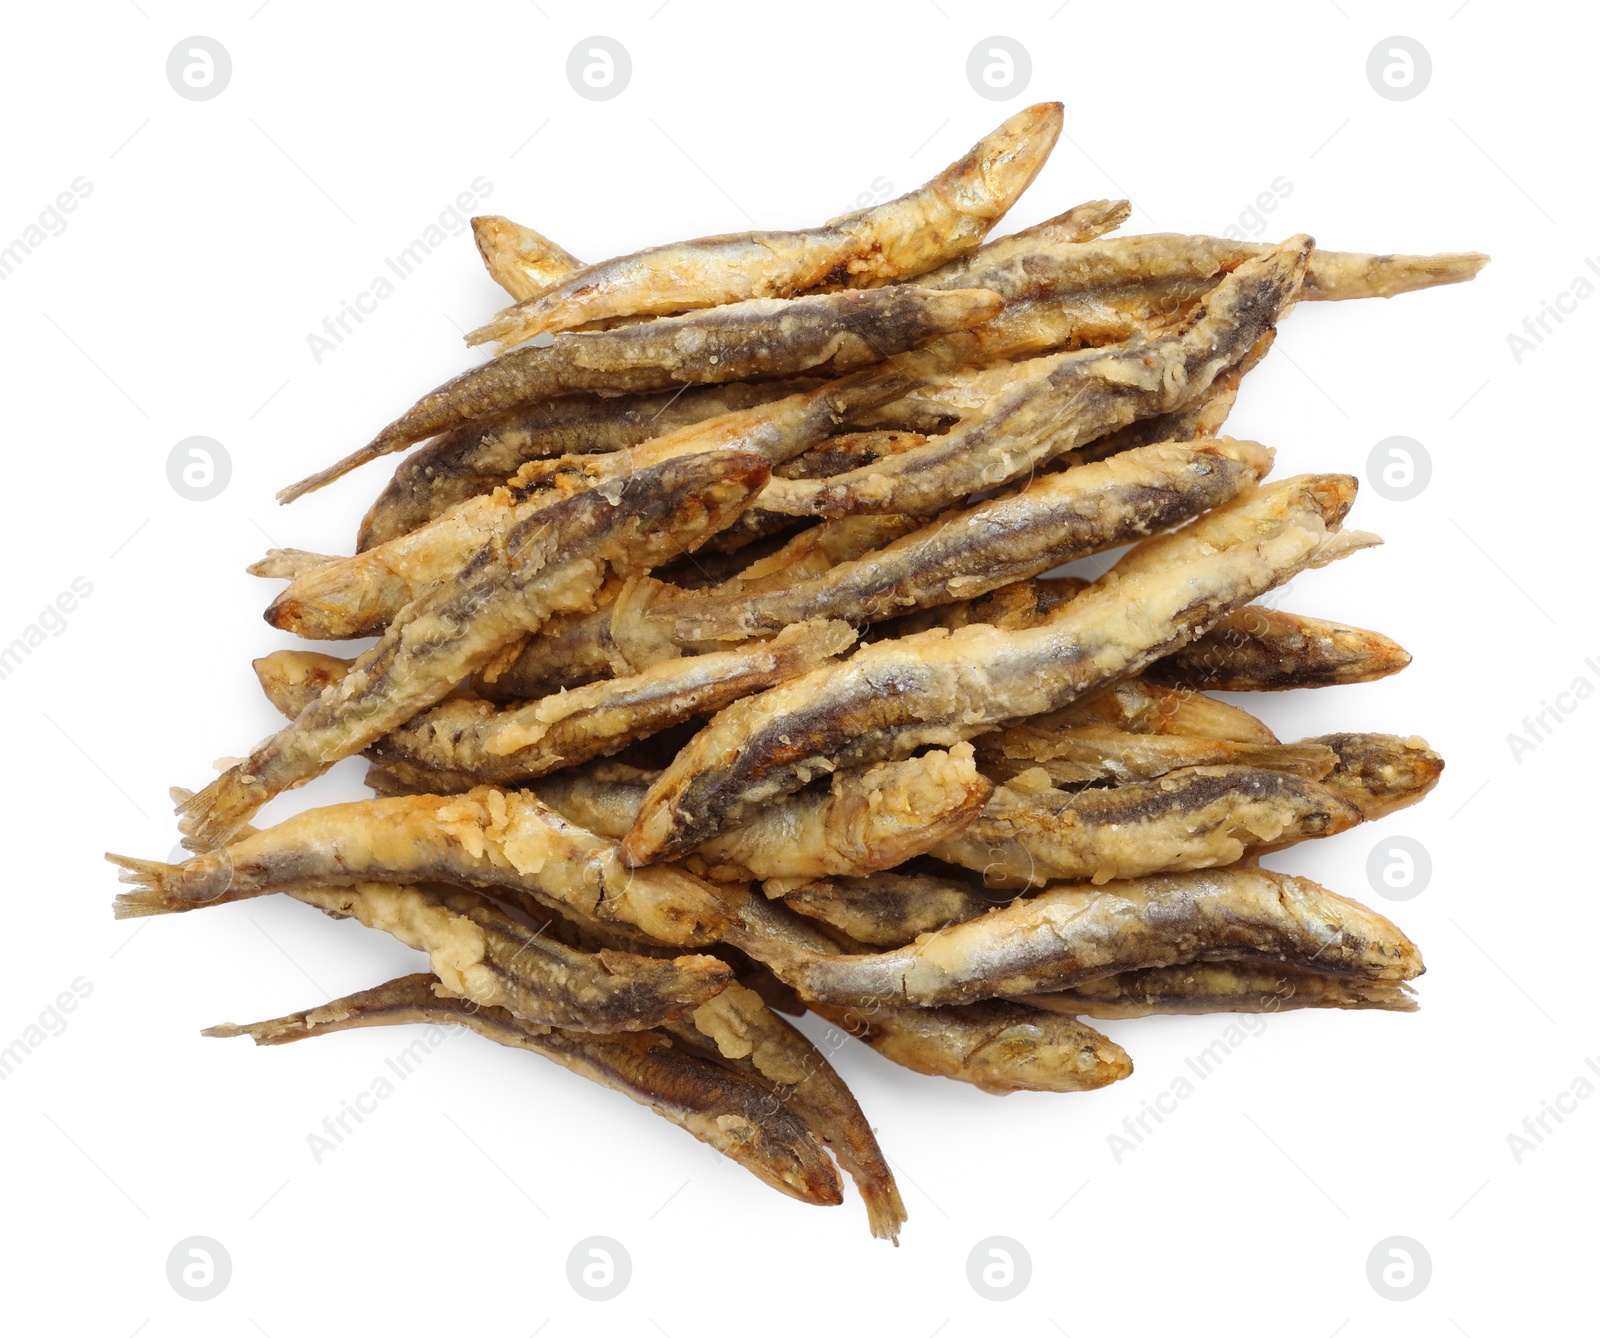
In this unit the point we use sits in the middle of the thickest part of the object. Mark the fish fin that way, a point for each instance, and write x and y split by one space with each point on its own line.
216 812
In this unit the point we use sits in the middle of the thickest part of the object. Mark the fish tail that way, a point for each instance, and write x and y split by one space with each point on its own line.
158 887
219 810
886 1211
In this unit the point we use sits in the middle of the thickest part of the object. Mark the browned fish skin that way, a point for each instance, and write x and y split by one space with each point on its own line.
553 562
1080 397
478 457
1058 938
1030 834
621 638
867 819
476 744
889 910
739 1030
937 688
946 217
488 839
1090 753
1142 707
827 333
1082 223
520 260
1380 773
1220 987
996 1046
1057 518
724 1109
1264 650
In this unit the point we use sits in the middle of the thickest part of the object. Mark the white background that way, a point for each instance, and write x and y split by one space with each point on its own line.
178 301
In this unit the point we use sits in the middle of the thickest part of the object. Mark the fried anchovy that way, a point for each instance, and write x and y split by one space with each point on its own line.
485 955
1030 833
1256 649
361 595
721 1108
827 333
740 1030
1059 267
478 457
998 1047
893 697
1141 707
947 217
476 743
622 638
1220 987
1082 223
1011 607
866 820
1090 753
1056 519
1380 773
358 596
888 910
485 839
1058 938
553 562
862 821
1079 397
520 260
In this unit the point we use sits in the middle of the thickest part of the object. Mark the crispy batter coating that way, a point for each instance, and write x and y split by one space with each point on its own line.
1031 833
740 1030
1055 519
723 1109
553 562
487 838
473 742
764 337
944 218
1256 649
480 456
888 910
1220 987
520 260
936 688
1075 398
1068 934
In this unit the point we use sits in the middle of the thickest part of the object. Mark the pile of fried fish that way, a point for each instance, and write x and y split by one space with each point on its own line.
719 674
